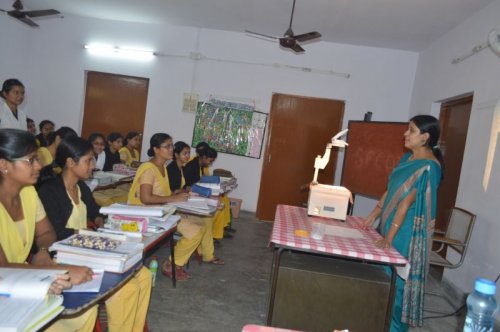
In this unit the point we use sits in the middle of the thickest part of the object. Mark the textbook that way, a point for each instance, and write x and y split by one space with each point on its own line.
24 303
97 250
138 210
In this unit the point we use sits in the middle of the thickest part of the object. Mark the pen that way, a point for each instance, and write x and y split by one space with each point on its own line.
45 278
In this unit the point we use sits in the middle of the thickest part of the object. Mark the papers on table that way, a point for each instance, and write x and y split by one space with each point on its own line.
197 205
158 225
343 232
92 286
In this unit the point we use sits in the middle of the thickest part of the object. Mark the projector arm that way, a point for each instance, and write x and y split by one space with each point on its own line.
321 162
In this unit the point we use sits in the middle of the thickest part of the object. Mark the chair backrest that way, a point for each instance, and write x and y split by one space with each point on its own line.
460 227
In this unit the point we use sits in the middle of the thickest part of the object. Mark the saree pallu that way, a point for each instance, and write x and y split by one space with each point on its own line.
414 236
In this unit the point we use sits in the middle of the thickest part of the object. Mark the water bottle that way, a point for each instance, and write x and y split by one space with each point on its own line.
481 307
153 267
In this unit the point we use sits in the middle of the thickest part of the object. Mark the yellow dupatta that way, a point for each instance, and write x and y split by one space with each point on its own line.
12 244
134 193
130 158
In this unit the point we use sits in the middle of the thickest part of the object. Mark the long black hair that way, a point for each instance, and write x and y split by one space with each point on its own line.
9 84
73 147
156 141
429 124
16 143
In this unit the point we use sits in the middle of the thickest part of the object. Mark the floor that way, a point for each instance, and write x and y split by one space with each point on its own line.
225 298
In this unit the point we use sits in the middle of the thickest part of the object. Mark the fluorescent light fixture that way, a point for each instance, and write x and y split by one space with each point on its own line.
118 52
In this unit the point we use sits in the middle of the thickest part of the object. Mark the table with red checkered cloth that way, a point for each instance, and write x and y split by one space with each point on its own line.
289 219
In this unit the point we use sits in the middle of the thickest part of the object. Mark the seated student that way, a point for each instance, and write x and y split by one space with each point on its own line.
31 126
199 164
174 169
23 222
193 171
69 205
151 186
98 143
46 127
129 152
115 142
46 154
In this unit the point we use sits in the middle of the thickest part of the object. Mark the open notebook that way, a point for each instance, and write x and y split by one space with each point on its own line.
24 303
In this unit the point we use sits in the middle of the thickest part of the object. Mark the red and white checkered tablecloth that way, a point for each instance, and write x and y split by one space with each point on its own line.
290 219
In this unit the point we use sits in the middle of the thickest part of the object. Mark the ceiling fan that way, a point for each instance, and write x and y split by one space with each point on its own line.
289 40
25 15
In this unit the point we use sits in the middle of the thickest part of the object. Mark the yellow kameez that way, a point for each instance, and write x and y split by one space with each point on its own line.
16 248
195 231
127 156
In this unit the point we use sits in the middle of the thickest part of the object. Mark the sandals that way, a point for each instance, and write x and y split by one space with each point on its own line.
215 261
180 274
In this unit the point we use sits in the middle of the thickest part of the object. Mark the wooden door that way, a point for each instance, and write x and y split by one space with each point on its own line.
299 129
114 103
454 120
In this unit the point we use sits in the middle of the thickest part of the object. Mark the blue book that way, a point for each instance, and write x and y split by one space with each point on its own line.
202 191
210 179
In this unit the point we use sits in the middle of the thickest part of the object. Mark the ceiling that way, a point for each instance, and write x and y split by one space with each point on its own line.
399 24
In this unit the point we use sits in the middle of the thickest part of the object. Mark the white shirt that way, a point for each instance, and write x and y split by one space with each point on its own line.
101 159
8 120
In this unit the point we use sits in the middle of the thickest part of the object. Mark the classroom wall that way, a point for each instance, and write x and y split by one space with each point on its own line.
381 79
15 56
438 79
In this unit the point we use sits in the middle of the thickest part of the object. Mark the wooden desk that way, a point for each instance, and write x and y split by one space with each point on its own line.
113 193
289 219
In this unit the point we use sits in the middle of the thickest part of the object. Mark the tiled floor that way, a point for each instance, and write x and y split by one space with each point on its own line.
225 298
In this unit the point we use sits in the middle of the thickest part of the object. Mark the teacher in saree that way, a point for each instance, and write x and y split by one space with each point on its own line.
407 212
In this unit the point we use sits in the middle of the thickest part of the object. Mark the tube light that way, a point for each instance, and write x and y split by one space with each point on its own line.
118 52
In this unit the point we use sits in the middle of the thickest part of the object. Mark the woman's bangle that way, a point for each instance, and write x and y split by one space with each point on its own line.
397 225
379 206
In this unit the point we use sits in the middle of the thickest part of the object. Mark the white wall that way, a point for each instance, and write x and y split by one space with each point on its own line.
381 81
15 57
438 79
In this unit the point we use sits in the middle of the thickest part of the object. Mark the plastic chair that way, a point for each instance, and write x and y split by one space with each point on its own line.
460 225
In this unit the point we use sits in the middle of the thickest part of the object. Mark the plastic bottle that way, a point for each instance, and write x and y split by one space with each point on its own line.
481 307
153 267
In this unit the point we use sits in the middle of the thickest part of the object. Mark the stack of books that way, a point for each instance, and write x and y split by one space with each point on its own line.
108 252
198 205
130 219
217 184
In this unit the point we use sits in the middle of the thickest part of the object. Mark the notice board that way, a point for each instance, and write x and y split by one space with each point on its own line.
375 148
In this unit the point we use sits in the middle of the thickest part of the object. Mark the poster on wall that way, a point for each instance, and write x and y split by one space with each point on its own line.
229 127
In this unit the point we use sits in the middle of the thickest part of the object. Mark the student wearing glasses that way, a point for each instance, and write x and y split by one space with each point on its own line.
23 222
151 186
70 206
